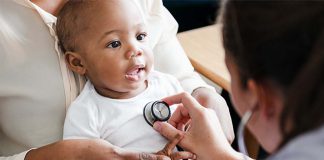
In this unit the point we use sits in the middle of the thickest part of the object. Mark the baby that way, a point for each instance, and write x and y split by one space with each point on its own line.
107 42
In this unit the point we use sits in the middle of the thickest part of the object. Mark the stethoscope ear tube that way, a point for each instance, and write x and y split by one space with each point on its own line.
241 141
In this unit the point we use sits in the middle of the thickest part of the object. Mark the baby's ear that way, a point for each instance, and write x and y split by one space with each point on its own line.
75 62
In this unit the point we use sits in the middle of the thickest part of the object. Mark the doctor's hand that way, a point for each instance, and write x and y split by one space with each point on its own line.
205 137
211 99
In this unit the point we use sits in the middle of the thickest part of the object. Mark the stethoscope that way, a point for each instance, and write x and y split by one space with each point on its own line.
240 133
160 111
156 111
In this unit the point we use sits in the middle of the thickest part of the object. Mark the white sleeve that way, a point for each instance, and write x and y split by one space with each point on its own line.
19 156
169 56
81 122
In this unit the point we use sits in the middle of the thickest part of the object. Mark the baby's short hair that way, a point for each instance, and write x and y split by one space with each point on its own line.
70 23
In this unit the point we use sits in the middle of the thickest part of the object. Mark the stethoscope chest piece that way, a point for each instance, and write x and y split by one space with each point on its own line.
156 111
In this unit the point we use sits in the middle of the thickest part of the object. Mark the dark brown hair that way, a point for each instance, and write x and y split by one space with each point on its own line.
71 21
304 109
279 41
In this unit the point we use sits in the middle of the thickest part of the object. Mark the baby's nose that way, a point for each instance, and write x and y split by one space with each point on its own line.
134 53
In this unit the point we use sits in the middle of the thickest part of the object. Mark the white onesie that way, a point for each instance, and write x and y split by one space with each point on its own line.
119 121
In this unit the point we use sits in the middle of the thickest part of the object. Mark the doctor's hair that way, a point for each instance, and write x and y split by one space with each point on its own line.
304 106
280 42
71 22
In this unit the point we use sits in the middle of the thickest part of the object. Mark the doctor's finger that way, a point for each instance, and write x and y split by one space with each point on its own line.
187 100
179 117
167 130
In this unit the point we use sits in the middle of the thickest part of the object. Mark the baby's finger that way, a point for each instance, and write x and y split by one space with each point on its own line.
172 144
183 155
147 156
162 157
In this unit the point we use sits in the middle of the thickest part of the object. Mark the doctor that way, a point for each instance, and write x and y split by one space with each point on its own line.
275 55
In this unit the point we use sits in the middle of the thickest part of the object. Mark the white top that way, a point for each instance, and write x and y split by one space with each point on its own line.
119 121
35 85
308 146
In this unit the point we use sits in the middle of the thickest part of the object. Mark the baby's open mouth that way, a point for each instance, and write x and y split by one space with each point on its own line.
135 73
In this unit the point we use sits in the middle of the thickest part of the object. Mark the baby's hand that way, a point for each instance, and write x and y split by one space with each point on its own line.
169 147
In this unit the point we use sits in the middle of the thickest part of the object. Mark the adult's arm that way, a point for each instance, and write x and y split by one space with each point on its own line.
76 149
80 149
88 149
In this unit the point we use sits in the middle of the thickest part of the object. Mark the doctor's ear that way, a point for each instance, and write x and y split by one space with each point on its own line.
266 98
75 62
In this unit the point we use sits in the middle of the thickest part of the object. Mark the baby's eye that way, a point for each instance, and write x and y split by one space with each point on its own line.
114 44
141 36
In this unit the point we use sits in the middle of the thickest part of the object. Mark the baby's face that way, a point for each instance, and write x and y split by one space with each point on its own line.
114 48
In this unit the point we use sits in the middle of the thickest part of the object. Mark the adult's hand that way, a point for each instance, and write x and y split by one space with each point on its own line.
205 137
210 99
86 149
